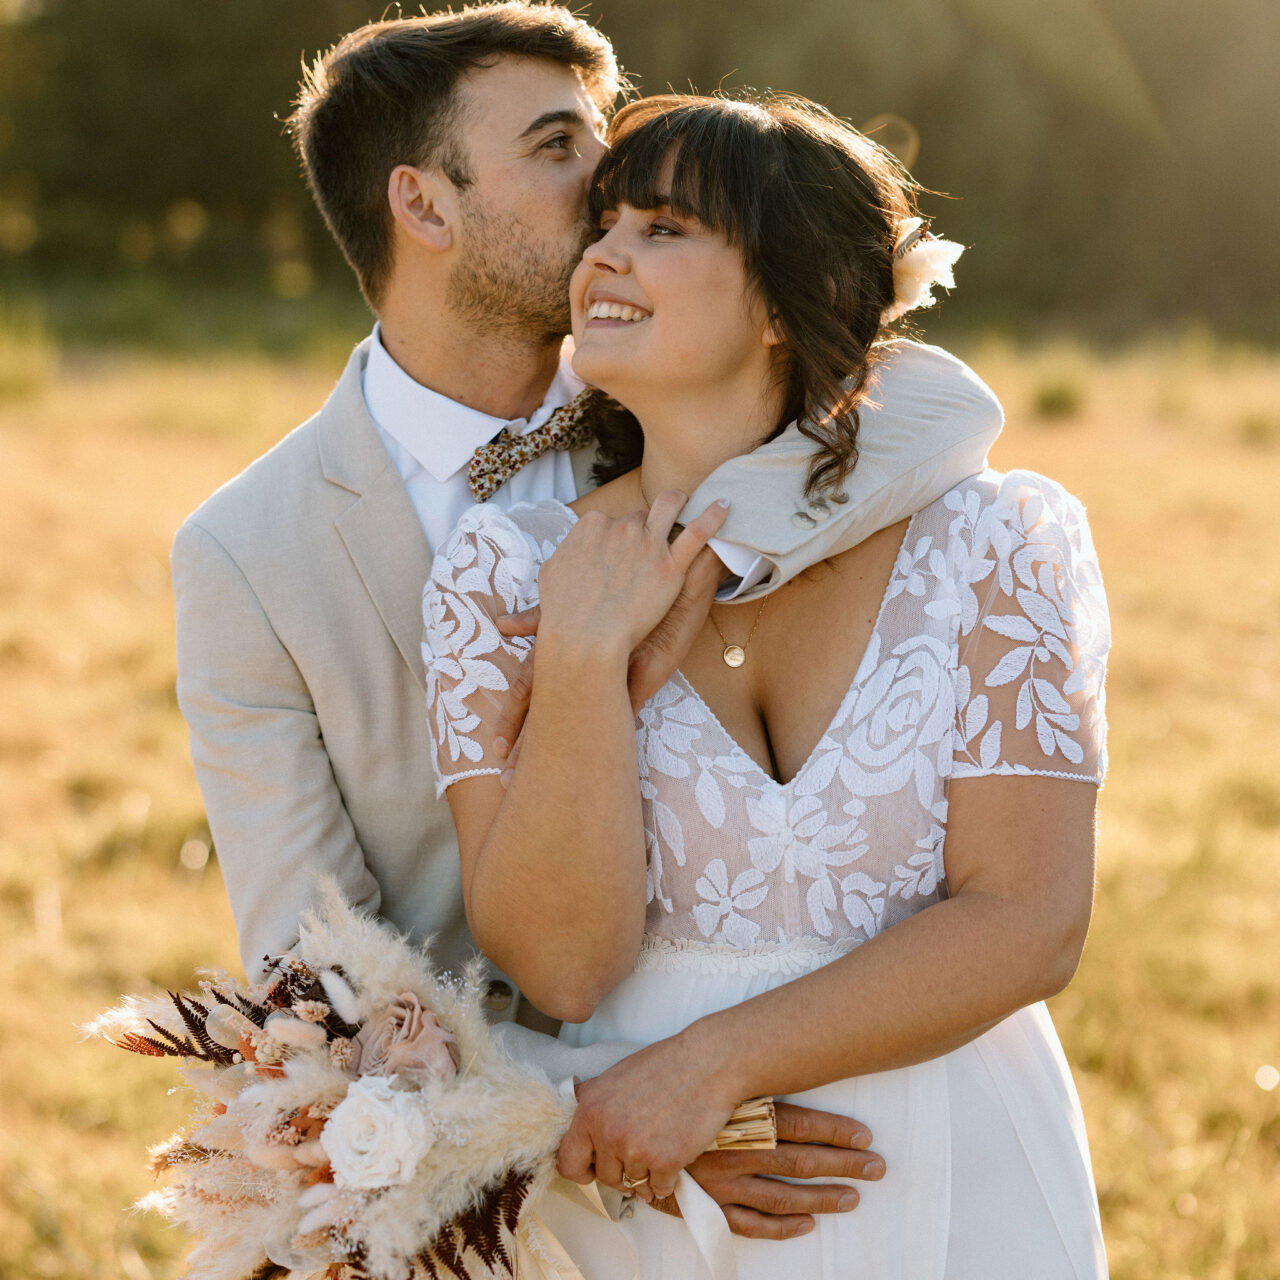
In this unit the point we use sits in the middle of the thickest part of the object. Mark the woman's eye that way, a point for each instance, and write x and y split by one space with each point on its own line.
561 142
663 229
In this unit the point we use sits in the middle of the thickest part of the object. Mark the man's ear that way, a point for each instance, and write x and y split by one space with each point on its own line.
425 205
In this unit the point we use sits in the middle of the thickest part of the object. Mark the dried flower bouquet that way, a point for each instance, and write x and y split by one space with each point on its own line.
357 1118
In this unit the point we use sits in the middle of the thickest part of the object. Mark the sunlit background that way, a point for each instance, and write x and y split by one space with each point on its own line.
170 305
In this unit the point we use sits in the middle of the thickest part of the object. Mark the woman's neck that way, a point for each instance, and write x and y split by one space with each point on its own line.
685 440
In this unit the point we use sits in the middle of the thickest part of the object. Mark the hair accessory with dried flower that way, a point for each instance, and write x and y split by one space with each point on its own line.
921 260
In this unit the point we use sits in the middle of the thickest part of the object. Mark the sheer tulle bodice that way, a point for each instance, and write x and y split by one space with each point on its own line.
987 657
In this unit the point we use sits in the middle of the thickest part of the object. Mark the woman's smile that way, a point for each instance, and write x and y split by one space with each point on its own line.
610 311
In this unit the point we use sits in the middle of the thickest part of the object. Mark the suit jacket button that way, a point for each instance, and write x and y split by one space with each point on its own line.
840 497
819 510
803 520
497 996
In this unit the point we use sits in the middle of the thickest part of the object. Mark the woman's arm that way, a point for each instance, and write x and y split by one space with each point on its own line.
553 867
1020 869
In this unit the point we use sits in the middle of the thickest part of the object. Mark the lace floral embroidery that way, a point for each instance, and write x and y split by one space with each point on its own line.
987 657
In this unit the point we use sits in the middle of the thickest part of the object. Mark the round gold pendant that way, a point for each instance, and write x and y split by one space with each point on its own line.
734 655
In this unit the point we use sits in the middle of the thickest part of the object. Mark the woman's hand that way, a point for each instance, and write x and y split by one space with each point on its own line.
612 581
647 1118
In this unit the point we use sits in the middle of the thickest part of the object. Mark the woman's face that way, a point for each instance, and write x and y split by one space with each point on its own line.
662 306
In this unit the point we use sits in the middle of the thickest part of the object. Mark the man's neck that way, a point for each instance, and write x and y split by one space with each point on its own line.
496 374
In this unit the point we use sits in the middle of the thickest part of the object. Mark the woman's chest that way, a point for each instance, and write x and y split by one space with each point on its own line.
774 672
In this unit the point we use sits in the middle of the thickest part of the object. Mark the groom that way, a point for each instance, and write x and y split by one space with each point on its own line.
450 157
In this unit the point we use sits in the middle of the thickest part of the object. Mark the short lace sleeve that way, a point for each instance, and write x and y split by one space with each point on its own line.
1034 636
486 569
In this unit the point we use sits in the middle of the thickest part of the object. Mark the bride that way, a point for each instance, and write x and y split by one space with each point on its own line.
847 850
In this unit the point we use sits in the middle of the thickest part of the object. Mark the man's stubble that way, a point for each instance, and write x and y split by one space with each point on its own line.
508 282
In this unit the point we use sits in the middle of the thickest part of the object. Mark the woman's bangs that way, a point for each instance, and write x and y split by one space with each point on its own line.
707 171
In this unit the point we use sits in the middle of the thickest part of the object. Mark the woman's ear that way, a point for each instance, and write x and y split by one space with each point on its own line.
773 335
424 204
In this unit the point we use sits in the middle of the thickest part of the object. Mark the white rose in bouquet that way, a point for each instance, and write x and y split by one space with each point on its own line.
376 1135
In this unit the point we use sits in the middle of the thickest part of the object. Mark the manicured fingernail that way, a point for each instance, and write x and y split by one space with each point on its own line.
722 502
873 1169
805 1227
505 777
501 747
848 1202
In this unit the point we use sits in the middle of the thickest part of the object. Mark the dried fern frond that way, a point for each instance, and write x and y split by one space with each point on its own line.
482 1230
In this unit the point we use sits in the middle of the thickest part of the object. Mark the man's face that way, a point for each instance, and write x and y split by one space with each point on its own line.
531 137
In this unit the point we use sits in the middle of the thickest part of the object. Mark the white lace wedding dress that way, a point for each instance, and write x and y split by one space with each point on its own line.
987 658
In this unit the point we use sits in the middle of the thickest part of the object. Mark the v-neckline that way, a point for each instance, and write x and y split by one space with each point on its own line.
859 676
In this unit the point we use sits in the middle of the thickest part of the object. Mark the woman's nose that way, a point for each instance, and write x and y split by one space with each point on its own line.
607 254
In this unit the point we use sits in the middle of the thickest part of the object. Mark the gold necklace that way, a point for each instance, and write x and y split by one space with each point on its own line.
734 655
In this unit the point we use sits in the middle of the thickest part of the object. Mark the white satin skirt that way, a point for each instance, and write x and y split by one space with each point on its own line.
988 1174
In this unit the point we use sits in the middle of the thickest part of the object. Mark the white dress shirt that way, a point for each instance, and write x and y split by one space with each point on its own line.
431 439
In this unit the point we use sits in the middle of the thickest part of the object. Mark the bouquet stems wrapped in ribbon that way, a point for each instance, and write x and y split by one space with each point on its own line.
358 1118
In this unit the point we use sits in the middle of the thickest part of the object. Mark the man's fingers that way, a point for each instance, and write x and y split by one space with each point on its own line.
762 1226
786 1199
805 1160
509 720
524 623
803 1124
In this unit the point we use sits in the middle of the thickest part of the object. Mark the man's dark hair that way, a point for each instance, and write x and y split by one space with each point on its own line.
386 95
815 208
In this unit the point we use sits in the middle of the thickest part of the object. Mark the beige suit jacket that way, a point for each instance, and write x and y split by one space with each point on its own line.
298 588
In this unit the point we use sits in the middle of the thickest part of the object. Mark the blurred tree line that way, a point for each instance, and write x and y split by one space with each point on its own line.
1110 161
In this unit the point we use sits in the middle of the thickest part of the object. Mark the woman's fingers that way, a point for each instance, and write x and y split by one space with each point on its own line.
576 1157
662 514
609 1170
696 534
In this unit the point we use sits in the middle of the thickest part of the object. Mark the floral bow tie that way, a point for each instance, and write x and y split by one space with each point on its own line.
496 462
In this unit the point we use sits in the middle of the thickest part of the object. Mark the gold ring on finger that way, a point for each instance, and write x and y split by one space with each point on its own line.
630 1184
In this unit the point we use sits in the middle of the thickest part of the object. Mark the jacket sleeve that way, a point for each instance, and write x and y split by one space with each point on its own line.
927 424
275 812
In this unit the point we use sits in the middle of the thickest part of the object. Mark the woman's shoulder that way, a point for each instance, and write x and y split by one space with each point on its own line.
1020 501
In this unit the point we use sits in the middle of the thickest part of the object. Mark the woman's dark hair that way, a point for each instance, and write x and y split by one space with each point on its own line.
815 209
386 95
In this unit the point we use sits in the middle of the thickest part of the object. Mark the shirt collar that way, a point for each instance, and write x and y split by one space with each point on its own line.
441 434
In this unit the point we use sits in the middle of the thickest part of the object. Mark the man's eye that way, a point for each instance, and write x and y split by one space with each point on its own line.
561 142
663 229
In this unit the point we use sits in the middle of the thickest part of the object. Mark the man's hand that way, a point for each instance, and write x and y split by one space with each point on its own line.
659 1109
653 661
811 1144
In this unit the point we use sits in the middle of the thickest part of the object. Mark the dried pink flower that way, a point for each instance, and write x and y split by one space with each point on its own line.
405 1039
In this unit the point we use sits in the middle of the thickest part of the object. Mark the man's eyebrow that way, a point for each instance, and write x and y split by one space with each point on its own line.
555 117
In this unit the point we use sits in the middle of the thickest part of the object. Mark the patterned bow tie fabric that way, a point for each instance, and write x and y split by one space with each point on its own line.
496 462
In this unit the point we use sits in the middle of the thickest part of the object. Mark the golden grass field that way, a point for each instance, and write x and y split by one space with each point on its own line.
1171 1025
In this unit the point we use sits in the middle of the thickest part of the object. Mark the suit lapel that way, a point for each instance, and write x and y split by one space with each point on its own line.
380 529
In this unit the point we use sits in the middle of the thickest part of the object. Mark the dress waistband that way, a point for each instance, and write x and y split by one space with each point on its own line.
804 955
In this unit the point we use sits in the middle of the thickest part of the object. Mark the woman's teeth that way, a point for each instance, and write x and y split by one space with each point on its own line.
615 311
